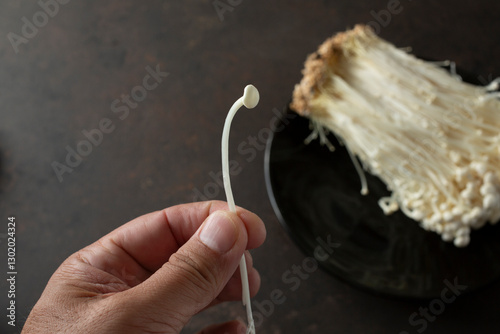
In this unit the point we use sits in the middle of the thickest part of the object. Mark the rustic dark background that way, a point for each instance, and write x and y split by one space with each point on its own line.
65 78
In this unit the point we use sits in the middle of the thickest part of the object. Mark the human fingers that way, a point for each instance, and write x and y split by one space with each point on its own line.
194 275
151 239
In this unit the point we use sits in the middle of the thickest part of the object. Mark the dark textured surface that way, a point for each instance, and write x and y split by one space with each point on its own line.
316 196
64 80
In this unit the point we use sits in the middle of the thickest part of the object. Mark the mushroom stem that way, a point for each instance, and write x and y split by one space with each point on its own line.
249 99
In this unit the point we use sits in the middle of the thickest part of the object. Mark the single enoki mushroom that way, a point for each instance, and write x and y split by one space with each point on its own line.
250 99
433 139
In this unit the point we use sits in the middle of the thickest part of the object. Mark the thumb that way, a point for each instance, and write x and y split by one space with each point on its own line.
195 275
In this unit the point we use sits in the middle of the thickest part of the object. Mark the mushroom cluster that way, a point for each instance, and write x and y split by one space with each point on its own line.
433 139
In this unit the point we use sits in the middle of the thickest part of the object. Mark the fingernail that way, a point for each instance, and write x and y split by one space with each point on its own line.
219 232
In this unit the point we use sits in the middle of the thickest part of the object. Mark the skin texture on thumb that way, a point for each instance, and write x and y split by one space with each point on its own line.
195 274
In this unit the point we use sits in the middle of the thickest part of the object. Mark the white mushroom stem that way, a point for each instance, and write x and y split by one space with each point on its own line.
249 99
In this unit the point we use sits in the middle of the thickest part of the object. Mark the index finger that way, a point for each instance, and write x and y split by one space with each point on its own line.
151 239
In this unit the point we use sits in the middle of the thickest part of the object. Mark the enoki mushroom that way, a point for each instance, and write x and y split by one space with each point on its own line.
433 139
249 99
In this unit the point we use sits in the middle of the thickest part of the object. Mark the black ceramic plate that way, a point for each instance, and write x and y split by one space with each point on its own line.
316 196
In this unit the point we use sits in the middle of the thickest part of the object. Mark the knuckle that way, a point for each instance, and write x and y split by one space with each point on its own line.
197 273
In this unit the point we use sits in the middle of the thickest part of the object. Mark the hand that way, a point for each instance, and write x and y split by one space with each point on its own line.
152 274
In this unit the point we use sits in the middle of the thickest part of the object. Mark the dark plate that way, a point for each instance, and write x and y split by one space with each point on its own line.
316 196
